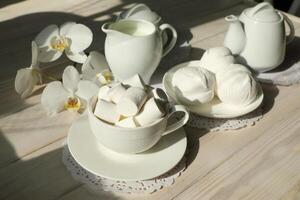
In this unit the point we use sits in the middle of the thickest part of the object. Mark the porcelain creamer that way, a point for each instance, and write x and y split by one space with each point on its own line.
135 47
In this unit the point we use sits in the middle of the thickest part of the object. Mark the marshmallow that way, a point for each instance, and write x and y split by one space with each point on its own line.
131 102
194 85
128 122
151 112
106 111
135 81
237 86
116 92
216 59
103 93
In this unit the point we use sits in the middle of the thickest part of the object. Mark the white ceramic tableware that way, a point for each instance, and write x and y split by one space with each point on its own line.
135 47
103 162
152 111
214 108
140 11
258 36
135 81
159 94
133 140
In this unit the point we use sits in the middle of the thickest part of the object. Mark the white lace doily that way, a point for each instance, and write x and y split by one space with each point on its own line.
282 76
213 124
98 183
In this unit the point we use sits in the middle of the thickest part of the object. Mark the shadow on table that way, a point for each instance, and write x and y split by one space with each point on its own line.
41 177
193 138
9 2
292 55
270 93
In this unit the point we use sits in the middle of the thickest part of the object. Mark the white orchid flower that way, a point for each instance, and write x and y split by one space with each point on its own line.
96 69
71 94
27 78
71 38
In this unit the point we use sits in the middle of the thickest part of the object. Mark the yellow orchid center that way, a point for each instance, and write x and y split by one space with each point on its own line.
105 77
59 44
72 104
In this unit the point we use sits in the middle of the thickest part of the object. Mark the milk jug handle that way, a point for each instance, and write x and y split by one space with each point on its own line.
291 36
172 43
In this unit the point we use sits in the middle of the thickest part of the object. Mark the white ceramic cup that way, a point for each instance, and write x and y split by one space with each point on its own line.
133 140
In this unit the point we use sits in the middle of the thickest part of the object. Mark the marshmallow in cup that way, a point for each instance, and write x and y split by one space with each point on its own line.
103 93
128 122
116 92
133 140
132 101
106 111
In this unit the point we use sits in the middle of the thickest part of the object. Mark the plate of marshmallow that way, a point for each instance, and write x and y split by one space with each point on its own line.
214 86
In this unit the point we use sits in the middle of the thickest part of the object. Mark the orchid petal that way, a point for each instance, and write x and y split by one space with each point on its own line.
95 64
70 79
25 81
87 70
54 97
34 56
76 57
86 89
81 38
45 36
48 55
65 28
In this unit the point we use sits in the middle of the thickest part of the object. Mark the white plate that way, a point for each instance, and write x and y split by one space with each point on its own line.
215 108
127 167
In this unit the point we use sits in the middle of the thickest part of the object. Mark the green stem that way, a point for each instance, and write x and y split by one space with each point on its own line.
46 75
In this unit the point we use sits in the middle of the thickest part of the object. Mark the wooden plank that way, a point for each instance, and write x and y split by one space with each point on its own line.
40 175
266 168
30 129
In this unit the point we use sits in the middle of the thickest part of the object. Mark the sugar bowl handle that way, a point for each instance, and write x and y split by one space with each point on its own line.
174 126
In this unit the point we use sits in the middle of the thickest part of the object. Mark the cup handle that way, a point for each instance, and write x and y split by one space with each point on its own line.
172 43
291 36
173 127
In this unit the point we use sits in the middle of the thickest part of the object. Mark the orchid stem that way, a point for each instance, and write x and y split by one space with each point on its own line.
46 75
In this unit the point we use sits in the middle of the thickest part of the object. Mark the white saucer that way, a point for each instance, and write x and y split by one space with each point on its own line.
127 167
215 108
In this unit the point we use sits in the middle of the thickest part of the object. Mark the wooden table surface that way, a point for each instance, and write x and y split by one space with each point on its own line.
259 162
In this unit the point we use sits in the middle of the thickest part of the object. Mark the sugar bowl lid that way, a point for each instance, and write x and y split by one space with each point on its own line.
263 12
